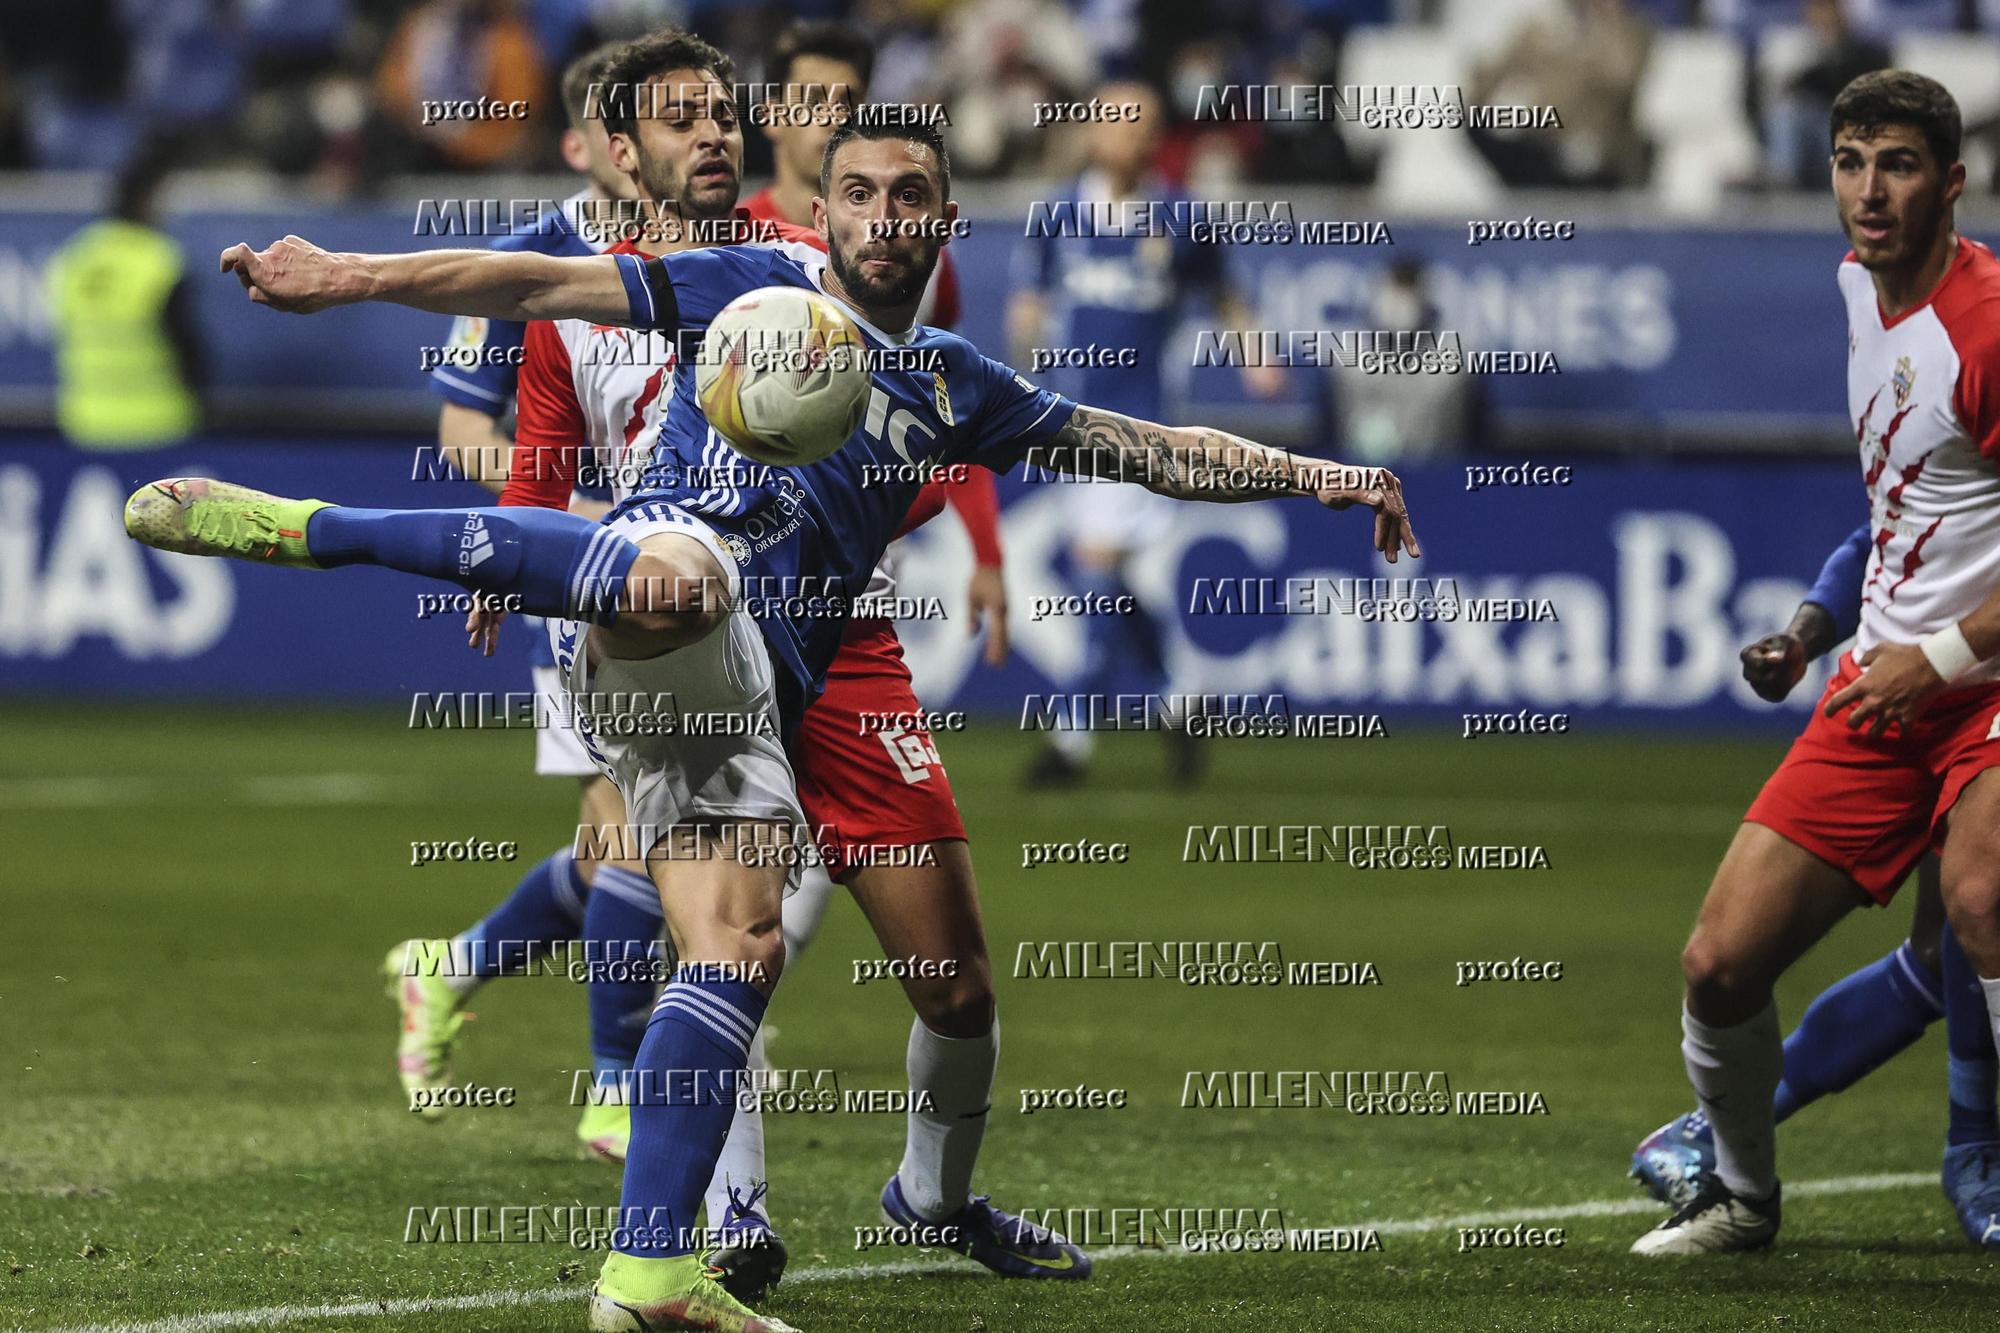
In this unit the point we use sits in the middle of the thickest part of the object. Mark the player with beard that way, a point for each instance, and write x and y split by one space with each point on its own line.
1900 756
432 980
677 178
662 599
591 391
820 72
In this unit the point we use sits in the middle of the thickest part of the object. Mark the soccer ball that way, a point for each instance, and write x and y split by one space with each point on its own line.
780 375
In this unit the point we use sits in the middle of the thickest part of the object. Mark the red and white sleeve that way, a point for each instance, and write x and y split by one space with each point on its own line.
549 435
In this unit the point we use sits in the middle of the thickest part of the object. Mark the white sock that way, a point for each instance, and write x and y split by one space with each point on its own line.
742 1160
1735 1072
1991 985
1073 743
943 1142
457 971
800 915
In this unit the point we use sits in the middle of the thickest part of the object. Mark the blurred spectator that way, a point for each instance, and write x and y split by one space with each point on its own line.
128 365
1093 309
1795 137
905 51
1209 157
459 51
187 70
825 69
1307 150
68 79
1000 58
1383 416
1584 58
13 124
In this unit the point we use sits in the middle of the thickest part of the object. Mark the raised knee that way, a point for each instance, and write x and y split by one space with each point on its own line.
678 594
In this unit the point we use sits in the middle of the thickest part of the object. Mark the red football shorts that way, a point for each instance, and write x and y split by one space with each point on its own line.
1873 805
869 776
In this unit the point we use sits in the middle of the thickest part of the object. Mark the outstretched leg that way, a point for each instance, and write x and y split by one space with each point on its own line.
541 561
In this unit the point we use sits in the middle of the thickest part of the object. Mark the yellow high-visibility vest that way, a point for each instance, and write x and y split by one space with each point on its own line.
118 380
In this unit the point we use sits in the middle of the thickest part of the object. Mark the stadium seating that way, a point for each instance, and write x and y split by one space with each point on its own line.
1690 104
1422 172
1969 65
1891 19
1966 63
1751 18
1782 52
1479 28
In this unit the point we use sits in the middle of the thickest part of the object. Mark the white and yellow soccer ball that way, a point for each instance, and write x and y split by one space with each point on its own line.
782 375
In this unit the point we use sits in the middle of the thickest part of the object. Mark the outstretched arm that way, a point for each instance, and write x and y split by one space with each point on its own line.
297 276
1197 463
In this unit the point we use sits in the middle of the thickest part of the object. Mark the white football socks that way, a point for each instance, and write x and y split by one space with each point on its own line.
954 1077
457 969
1735 1072
742 1160
800 915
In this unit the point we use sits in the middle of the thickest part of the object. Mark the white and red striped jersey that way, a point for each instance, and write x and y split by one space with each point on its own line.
1923 392
605 386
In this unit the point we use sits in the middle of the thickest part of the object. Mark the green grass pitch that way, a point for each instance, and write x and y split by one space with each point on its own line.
198 1112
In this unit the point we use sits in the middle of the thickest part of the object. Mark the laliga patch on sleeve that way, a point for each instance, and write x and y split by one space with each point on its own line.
468 331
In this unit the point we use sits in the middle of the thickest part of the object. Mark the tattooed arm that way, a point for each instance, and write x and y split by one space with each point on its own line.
1196 463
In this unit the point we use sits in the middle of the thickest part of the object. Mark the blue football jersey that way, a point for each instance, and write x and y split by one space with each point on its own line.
808 538
493 346
1114 292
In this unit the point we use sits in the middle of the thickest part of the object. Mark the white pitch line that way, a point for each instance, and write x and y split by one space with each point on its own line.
279 1316
272 789
1554 813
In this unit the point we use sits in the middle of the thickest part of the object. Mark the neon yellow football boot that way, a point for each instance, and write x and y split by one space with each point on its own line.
605 1130
199 516
414 976
637 1295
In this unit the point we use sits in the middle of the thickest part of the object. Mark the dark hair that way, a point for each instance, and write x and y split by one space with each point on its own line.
1900 97
887 123
139 180
643 59
578 76
831 41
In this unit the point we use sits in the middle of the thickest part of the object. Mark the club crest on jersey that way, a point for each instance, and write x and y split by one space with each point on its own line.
739 550
943 401
1902 381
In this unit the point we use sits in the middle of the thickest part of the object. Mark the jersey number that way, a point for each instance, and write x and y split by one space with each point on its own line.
898 425
914 753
